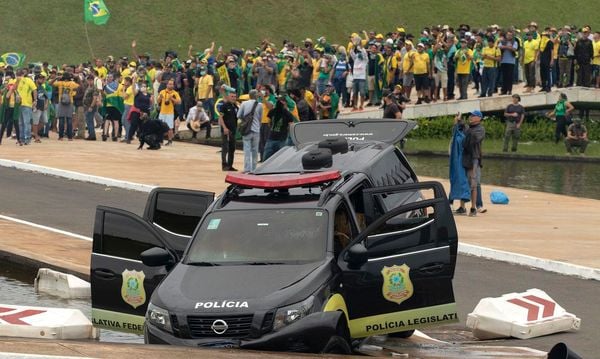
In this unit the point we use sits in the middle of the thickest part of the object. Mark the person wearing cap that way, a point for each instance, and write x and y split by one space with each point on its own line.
514 115
328 103
491 56
584 53
197 119
464 59
228 122
471 159
530 55
565 44
390 107
422 73
577 137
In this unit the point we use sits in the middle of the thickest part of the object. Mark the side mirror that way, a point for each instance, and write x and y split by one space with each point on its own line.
356 256
156 257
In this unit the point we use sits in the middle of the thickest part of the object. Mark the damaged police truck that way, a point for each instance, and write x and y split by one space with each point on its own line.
329 241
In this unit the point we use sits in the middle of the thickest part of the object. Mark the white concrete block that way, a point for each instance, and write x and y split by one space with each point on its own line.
523 315
45 323
61 284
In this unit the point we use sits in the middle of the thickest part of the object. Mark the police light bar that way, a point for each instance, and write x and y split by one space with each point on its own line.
281 181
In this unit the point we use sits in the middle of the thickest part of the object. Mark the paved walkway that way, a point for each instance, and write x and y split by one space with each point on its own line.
537 224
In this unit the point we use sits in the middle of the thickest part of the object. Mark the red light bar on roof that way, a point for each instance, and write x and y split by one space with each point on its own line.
281 180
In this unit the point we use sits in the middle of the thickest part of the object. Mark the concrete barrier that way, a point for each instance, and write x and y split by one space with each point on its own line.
61 285
45 323
487 104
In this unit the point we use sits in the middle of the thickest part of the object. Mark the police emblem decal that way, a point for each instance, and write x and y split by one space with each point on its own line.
397 286
132 290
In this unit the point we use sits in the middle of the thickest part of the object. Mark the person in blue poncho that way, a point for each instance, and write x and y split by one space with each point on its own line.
459 183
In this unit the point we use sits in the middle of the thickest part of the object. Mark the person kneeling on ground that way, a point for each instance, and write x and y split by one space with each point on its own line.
152 133
197 119
576 136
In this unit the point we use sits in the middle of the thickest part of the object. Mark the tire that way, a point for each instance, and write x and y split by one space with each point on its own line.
337 345
405 334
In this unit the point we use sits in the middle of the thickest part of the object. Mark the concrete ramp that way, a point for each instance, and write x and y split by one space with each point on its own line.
539 100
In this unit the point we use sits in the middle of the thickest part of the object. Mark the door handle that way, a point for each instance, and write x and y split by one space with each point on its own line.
104 273
432 268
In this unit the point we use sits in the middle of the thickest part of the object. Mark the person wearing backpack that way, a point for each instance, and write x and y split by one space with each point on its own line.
64 111
250 114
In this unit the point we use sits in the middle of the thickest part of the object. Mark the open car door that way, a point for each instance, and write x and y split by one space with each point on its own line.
121 284
355 131
397 273
176 213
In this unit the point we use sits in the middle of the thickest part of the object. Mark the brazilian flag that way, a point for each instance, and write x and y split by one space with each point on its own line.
13 59
95 11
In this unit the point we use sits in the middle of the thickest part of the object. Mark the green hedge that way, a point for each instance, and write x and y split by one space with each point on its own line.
536 129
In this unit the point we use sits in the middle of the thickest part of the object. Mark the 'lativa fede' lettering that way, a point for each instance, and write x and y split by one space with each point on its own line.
120 325
395 324
222 304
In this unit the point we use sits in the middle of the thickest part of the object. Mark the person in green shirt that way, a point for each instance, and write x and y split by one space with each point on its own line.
328 103
562 110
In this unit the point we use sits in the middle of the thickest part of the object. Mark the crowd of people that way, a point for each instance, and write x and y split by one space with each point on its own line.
292 82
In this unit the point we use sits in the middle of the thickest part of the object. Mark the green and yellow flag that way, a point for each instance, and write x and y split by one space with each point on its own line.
95 11
13 59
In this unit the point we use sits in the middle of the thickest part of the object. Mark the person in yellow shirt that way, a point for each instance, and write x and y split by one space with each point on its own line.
596 59
26 92
464 59
530 54
102 71
127 94
422 73
167 99
205 90
65 108
408 68
491 56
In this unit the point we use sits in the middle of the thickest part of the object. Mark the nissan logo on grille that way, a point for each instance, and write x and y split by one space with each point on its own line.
219 326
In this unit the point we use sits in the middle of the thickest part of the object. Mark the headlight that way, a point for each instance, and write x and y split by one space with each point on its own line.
292 313
159 317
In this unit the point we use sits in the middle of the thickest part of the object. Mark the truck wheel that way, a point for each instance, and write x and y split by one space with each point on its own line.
405 334
337 345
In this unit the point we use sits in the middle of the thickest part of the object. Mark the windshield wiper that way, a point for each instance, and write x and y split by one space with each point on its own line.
203 264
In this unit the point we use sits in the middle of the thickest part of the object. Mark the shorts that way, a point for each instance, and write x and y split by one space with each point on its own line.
167 118
408 79
595 71
371 83
421 82
474 174
441 79
113 114
40 116
359 87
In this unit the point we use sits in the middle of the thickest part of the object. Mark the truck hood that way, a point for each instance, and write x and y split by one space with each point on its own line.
238 288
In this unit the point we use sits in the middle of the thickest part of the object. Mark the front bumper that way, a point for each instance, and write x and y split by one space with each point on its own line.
309 334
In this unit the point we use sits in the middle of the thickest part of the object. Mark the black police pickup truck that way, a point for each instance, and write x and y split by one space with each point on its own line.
329 241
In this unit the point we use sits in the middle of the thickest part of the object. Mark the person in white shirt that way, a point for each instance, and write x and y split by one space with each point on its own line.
359 75
197 119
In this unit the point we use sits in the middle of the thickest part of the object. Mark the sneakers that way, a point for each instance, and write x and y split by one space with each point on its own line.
481 210
461 211
472 212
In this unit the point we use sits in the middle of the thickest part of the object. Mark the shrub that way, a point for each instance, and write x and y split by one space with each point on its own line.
535 129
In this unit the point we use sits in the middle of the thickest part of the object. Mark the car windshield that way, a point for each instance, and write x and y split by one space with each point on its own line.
258 237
